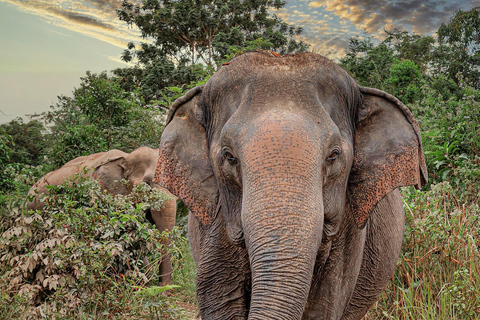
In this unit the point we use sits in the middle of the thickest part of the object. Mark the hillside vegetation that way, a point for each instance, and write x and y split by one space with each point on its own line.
91 255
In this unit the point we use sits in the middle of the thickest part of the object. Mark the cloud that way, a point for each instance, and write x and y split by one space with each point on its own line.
330 45
44 8
328 24
106 4
348 18
315 4
118 60
373 16
83 20
94 18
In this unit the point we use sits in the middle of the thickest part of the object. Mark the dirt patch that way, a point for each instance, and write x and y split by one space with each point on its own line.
191 310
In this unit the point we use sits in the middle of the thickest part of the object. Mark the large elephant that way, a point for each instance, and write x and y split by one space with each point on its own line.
291 172
109 168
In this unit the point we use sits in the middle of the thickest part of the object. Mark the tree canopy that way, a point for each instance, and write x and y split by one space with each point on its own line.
186 39
100 116
28 139
458 52
201 31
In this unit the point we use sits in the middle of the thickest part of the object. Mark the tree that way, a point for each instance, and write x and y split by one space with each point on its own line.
29 141
197 29
6 144
100 116
406 80
458 52
151 78
368 63
414 47
186 39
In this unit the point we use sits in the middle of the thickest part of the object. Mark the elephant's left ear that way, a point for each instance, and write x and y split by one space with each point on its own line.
388 152
110 173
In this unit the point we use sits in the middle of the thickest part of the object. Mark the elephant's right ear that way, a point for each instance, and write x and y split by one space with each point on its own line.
183 166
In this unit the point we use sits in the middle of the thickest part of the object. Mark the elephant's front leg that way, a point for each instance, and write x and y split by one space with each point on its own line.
165 220
223 272
384 238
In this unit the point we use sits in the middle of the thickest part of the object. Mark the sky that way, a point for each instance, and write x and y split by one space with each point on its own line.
47 45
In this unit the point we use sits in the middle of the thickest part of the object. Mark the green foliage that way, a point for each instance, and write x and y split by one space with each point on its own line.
6 144
450 131
458 51
257 44
190 38
6 181
102 101
406 80
85 255
367 63
100 116
414 47
154 76
29 140
193 29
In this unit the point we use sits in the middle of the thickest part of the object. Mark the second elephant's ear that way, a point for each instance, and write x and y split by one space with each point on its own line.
388 152
110 173
183 166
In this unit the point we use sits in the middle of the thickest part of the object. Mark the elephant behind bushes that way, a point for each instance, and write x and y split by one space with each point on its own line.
109 168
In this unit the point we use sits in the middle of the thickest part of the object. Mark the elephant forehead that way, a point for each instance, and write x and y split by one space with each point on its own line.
281 133
256 65
321 96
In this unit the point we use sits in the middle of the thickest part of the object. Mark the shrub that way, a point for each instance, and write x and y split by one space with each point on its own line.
84 255
6 181
450 127
406 80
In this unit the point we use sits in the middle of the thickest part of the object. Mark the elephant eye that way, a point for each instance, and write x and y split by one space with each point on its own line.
333 155
230 158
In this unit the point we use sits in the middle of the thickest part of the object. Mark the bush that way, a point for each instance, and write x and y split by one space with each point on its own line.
450 127
6 181
30 140
406 80
84 255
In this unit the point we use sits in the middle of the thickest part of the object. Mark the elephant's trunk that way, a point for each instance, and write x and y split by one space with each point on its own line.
282 217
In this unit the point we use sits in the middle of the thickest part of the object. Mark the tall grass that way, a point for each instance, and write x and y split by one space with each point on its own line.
438 273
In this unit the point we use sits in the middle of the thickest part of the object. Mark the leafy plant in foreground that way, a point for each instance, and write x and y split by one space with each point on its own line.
85 254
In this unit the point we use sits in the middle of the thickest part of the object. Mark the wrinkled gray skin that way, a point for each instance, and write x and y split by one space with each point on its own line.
109 168
291 172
